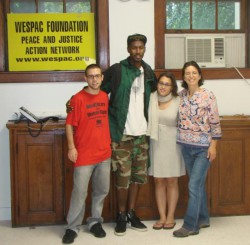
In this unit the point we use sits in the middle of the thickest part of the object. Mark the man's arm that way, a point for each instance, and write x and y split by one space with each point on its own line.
69 108
72 152
112 78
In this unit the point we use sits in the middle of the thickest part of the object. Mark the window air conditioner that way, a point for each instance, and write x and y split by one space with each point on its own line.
206 51
209 50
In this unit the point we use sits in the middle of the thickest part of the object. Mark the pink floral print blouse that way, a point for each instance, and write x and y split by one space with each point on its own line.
198 119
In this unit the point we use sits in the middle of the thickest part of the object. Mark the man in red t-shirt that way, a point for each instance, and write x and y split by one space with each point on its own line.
88 136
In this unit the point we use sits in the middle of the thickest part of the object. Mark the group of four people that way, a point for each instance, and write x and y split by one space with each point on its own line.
180 127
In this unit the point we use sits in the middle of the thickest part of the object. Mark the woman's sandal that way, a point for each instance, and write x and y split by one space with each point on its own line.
158 226
169 226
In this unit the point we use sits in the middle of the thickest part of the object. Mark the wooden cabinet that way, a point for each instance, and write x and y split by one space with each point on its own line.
36 175
41 177
230 173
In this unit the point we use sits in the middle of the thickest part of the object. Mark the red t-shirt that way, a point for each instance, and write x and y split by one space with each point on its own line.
89 118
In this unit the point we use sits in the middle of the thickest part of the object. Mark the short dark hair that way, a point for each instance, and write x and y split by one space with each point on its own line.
92 66
187 64
136 37
173 80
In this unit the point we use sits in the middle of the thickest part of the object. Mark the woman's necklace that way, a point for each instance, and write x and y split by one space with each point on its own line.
164 99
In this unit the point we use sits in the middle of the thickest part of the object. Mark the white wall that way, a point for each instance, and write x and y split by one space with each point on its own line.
125 18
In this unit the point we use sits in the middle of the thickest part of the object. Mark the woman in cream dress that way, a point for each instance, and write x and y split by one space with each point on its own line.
165 155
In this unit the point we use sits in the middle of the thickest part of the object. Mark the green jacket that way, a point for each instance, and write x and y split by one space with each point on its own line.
117 82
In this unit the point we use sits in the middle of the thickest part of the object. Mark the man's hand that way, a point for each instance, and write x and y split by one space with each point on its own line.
72 155
69 108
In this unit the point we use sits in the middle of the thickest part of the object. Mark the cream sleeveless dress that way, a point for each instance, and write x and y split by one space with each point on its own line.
165 155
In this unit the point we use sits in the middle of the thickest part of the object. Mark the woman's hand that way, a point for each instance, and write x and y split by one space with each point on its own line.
211 153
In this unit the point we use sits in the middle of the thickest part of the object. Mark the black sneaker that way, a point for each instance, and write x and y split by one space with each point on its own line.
97 230
135 221
121 224
69 236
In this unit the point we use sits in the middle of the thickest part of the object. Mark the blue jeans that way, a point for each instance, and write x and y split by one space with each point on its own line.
100 173
197 165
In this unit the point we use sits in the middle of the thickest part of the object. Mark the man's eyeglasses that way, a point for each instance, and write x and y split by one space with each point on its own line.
162 84
92 77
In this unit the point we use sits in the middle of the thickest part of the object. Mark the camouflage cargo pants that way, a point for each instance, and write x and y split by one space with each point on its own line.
130 160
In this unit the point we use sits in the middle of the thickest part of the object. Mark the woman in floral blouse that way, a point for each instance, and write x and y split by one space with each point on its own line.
198 132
